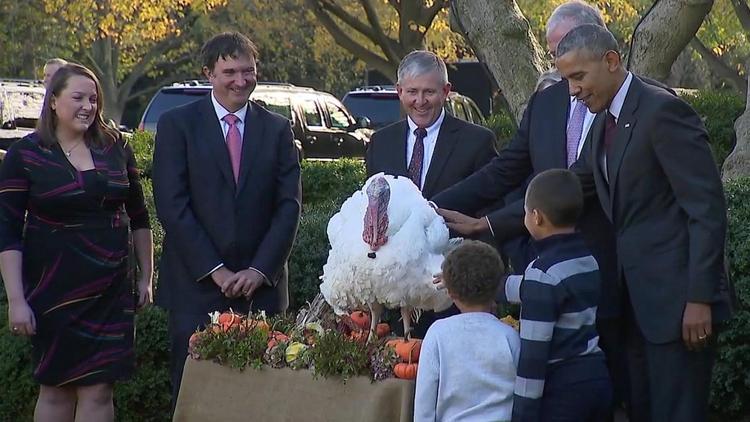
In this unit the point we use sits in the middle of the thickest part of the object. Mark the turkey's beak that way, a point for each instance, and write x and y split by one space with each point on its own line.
376 215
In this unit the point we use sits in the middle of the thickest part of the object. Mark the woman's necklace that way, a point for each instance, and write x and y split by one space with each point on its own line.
68 152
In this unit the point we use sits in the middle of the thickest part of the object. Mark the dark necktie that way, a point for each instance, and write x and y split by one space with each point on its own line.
610 130
417 157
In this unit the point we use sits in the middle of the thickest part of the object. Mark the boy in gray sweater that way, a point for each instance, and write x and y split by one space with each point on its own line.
467 365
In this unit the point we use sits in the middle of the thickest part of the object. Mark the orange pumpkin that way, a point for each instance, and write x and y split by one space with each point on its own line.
382 330
406 371
361 318
228 320
259 325
407 350
275 338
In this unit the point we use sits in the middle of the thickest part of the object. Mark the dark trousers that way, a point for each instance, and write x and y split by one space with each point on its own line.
181 326
667 381
612 342
584 401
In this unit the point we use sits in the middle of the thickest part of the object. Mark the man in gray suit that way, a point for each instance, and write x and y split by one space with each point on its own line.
648 161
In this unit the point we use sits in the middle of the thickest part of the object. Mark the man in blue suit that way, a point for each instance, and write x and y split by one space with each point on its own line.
227 190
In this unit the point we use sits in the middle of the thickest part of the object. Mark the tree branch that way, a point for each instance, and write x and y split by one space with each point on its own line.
396 4
347 42
429 13
382 39
742 10
719 66
339 12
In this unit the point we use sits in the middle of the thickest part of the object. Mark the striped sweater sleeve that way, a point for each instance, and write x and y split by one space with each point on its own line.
539 312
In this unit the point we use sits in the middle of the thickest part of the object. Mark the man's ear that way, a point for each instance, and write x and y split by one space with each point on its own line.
613 60
538 217
207 72
52 103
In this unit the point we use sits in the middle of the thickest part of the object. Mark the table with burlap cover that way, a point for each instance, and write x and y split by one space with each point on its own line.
211 392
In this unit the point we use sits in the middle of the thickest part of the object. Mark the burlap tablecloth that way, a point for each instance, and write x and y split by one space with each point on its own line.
211 392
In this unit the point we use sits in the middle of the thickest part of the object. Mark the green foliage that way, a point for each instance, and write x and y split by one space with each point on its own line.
730 390
142 143
324 181
18 391
309 253
719 110
336 356
237 347
503 127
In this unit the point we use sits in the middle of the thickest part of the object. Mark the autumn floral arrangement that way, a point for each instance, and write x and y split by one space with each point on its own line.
329 345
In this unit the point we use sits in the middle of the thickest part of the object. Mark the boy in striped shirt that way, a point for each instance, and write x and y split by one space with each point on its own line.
561 374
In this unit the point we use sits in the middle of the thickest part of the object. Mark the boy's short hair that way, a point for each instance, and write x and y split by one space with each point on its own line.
472 272
558 195
227 45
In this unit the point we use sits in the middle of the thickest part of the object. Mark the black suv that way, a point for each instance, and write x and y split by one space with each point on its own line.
322 126
381 105
20 105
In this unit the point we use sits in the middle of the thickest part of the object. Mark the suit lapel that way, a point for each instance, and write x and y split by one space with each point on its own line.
625 123
252 144
444 146
397 142
559 125
596 138
213 136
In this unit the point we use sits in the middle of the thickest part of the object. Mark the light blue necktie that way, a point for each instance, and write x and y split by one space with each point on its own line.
575 129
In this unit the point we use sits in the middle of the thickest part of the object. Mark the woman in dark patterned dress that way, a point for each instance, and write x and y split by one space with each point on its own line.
67 192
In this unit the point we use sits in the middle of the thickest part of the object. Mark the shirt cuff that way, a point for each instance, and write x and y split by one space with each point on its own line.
265 279
221 264
513 288
489 225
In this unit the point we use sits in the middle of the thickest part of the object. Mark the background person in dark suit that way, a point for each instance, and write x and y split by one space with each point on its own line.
433 148
648 160
227 191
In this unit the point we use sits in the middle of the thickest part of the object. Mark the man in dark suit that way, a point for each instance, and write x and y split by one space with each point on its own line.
648 161
431 147
551 135
227 191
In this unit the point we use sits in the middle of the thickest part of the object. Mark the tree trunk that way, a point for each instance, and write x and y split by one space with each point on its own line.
663 35
501 38
737 165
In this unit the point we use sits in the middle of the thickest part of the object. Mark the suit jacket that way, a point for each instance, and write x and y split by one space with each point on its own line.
208 219
460 150
539 144
666 200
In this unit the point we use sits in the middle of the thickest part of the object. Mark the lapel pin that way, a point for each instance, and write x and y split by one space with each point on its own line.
627 125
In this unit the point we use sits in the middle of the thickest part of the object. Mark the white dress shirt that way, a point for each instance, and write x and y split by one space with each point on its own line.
429 143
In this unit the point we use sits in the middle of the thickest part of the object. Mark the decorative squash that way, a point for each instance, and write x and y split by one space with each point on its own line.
228 320
359 336
382 330
407 350
361 318
406 371
275 338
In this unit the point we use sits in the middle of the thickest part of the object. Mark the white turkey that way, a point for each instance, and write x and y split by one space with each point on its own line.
387 242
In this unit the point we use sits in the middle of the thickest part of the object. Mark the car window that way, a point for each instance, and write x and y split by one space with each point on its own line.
312 112
339 118
381 110
460 111
168 99
280 104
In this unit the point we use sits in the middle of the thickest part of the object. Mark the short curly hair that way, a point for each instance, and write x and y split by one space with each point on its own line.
472 272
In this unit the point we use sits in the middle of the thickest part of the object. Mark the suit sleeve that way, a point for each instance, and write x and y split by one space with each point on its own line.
172 198
370 155
487 150
277 243
583 166
500 176
681 145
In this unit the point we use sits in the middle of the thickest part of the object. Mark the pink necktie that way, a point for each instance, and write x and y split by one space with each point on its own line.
234 144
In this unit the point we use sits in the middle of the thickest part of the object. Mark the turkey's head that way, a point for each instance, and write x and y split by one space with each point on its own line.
376 215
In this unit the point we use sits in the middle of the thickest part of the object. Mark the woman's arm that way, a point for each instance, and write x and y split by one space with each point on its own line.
144 252
20 316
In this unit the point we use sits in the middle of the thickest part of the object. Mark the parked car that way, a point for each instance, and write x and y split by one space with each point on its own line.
380 104
323 128
20 106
